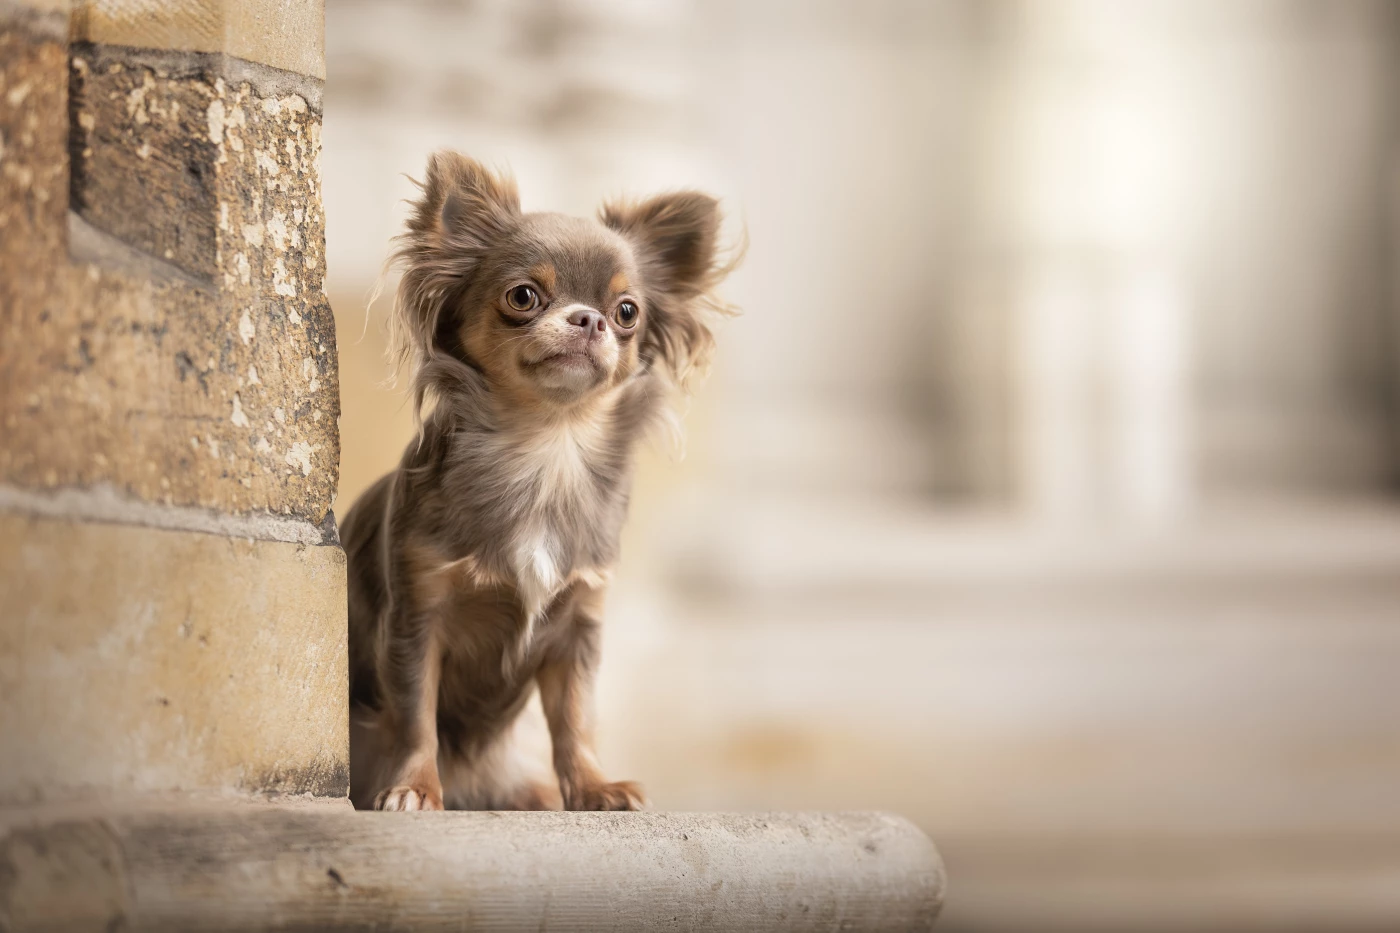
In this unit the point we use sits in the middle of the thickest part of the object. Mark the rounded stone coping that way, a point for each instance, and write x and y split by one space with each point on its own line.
332 868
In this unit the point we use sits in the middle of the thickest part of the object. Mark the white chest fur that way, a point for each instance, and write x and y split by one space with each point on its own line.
551 482
537 573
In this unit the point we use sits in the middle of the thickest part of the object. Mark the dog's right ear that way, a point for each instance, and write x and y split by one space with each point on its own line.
464 205
464 208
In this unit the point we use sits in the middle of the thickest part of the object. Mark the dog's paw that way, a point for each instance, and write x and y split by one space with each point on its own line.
407 797
618 795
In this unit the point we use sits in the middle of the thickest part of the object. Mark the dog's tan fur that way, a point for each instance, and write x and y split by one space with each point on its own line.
478 568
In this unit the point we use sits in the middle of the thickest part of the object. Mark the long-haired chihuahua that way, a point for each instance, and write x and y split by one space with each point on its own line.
541 348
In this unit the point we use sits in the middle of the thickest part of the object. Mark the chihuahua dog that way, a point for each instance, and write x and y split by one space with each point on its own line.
546 346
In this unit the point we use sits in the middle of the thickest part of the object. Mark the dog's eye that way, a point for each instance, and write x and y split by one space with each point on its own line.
522 298
627 314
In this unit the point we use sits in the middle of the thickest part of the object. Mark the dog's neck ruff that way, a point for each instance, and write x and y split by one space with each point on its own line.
552 481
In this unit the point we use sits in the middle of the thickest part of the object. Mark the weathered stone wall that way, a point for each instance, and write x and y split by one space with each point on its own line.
171 589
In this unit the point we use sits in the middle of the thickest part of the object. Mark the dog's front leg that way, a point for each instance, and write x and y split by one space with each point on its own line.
566 692
411 672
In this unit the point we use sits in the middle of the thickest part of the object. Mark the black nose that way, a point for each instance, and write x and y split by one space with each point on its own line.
591 321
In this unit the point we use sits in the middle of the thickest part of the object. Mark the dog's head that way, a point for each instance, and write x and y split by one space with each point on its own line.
549 308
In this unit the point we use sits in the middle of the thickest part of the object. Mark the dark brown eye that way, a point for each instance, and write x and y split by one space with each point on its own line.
627 314
522 298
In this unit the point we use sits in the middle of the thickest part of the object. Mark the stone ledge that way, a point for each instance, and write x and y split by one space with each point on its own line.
325 869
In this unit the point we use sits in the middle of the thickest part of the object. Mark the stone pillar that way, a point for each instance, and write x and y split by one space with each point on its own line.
172 592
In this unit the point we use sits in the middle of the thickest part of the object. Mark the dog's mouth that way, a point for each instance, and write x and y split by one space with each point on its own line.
572 357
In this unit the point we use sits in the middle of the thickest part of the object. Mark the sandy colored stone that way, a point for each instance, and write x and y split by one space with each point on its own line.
139 660
43 6
186 354
286 34
33 170
69 876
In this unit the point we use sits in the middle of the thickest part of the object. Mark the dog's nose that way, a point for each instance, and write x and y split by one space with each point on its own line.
591 321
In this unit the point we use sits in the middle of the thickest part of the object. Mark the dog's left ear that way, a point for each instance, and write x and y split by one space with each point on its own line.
676 237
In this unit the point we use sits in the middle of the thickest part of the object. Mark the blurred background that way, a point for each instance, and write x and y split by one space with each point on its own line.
1045 491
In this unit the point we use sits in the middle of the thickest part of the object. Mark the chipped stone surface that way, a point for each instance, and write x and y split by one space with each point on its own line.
167 155
153 359
142 163
203 662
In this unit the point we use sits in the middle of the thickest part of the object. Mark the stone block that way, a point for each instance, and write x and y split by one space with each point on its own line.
286 34
137 660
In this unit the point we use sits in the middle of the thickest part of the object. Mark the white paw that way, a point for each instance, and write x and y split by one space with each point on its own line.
403 797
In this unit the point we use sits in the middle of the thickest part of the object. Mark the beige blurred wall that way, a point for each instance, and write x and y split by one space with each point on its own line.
1073 257
1041 493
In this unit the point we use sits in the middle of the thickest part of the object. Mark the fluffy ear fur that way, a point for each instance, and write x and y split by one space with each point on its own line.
676 237
463 209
